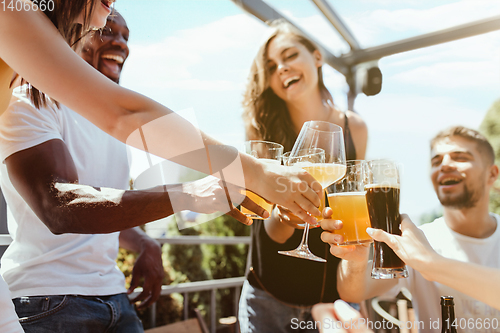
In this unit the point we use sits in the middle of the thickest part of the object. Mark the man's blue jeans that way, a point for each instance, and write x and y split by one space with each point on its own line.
77 314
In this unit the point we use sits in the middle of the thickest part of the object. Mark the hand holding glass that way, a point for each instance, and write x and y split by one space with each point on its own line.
267 152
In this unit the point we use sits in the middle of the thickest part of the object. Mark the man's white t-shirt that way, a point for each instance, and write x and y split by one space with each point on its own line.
427 294
38 262
9 322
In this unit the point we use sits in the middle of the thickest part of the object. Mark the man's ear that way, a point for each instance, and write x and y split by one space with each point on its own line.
493 174
318 58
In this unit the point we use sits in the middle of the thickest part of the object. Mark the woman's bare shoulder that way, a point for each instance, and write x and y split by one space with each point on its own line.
355 121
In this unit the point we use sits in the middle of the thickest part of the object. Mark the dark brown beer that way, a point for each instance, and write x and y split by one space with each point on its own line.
383 209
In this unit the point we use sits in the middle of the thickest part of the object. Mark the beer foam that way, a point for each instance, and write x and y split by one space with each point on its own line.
345 194
369 186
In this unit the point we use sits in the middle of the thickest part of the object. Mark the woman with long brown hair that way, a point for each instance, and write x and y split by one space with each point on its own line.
286 89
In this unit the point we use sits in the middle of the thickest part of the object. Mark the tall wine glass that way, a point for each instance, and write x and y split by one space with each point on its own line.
327 137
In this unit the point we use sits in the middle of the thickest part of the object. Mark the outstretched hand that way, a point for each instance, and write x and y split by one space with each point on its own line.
148 269
412 246
210 194
338 317
291 187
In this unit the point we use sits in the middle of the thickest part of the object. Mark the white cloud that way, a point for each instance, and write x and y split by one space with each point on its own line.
177 61
207 85
451 75
409 114
232 32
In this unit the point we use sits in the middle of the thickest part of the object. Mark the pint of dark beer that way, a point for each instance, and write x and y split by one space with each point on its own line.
382 199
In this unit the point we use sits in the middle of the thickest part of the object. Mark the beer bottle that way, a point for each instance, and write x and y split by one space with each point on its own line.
449 324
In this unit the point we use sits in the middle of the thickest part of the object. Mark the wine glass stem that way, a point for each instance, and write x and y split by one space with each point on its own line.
305 236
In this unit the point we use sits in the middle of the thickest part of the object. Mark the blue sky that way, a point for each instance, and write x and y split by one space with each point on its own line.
195 55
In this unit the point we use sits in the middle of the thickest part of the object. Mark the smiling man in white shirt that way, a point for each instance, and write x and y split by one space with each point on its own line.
456 255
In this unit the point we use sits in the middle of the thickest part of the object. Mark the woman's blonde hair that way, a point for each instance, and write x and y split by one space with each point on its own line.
266 116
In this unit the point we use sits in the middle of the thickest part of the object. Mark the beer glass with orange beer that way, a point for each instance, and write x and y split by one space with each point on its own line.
348 202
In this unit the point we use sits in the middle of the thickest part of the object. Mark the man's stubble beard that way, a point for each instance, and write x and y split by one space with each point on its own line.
467 199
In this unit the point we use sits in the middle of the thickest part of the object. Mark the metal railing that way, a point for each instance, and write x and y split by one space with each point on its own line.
5 240
189 287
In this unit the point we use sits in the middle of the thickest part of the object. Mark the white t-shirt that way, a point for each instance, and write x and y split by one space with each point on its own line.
427 294
9 323
38 262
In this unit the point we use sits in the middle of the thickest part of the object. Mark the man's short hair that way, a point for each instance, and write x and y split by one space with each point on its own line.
483 146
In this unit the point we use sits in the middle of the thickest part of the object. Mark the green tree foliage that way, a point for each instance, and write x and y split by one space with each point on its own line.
431 216
170 307
190 263
490 127
208 261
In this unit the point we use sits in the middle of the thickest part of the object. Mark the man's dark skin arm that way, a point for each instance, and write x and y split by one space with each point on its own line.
46 178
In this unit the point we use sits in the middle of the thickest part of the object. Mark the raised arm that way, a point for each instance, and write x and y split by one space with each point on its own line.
414 249
353 278
354 283
32 46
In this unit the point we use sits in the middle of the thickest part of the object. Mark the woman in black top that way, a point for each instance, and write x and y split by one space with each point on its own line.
286 89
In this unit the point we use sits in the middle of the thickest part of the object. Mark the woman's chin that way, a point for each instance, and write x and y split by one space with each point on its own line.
98 22
99 18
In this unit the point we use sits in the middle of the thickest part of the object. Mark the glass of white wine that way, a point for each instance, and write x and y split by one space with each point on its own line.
267 152
327 139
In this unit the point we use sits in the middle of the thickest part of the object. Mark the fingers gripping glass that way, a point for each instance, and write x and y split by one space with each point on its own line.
267 152
317 139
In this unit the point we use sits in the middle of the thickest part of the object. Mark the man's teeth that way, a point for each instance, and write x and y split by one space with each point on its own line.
287 82
449 181
117 58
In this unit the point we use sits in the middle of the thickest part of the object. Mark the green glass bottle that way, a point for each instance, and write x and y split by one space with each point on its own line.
449 324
